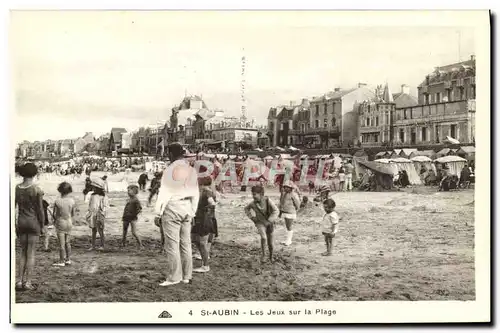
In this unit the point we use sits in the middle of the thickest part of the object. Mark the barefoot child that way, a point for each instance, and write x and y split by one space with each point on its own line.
64 212
204 226
132 209
330 224
289 205
29 223
264 215
98 206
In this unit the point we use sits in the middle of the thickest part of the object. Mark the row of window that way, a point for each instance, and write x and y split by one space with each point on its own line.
424 131
374 121
325 109
451 95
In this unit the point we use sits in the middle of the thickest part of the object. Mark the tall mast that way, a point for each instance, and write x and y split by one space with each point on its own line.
243 117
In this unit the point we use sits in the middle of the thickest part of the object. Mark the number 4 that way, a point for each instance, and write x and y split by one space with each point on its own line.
191 312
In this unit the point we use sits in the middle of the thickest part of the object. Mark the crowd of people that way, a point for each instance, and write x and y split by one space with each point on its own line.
184 209
185 212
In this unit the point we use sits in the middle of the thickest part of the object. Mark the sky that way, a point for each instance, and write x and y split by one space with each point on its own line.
74 72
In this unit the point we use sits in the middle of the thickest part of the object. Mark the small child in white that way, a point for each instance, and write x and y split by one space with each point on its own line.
330 224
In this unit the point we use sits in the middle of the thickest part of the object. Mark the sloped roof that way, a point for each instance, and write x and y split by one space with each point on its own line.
205 113
186 102
408 151
333 95
428 153
452 71
117 133
382 153
467 149
403 100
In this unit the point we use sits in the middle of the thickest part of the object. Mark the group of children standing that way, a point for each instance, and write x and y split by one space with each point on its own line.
263 212
32 220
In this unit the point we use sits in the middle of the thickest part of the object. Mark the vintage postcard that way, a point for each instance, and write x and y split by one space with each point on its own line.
250 167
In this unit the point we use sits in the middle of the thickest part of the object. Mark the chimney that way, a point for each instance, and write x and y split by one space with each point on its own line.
473 57
405 89
361 85
291 103
337 89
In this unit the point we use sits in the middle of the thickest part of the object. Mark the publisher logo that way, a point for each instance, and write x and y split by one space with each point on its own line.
165 314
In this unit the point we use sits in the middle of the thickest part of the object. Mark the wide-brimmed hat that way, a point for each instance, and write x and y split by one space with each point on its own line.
97 182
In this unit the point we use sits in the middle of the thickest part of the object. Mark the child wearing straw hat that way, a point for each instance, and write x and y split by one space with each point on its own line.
289 205
96 215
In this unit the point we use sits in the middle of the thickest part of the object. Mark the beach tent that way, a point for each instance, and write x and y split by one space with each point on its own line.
395 153
445 152
383 160
279 148
421 162
455 164
384 174
467 152
382 154
292 148
404 164
427 153
406 152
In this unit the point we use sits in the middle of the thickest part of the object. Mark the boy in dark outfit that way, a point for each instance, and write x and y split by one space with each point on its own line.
143 179
155 186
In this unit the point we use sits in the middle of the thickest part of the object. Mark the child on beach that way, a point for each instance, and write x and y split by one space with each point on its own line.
329 224
204 223
96 215
64 212
264 215
132 209
155 187
289 205
29 223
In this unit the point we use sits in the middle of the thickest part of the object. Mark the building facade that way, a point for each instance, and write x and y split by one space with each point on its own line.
330 120
454 82
183 118
375 118
432 123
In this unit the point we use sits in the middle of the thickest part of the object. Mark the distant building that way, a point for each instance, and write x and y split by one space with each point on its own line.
115 138
182 119
81 143
326 121
375 118
431 124
449 83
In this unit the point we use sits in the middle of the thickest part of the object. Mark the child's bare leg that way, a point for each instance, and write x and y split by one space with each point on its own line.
30 258
329 245
263 241
94 234
46 239
270 243
23 257
62 246
101 236
68 246
203 248
124 235
134 233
